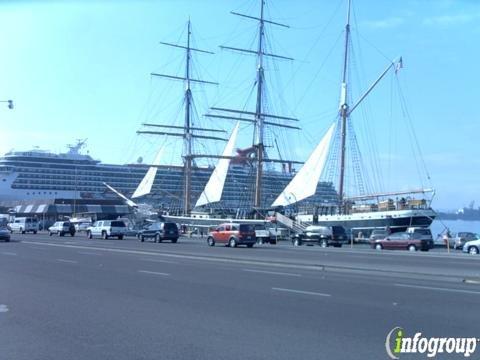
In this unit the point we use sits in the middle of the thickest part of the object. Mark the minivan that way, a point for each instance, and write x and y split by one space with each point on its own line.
24 225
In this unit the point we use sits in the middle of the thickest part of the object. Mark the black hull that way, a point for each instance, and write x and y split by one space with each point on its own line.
365 226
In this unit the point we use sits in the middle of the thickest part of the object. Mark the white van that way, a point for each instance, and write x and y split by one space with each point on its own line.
23 225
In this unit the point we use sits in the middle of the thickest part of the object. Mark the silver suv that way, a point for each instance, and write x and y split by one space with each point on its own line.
107 229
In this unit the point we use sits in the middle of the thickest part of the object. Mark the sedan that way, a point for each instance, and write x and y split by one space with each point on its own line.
472 247
401 241
5 234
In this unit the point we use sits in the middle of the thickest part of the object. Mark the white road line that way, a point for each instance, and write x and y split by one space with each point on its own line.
190 257
9 253
439 289
68 261
271 272
88 253
153 272
3 308
301 292
160 261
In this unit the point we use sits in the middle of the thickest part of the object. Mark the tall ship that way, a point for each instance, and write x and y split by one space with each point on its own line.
336 160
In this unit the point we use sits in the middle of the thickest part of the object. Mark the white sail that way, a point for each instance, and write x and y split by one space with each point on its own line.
304 184
214 188
146 184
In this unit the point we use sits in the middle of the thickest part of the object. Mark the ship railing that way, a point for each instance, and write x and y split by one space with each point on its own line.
289 223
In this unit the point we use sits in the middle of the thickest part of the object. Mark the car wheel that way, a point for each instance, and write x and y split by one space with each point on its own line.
232 243
174 241
72 234
142 238
210 241
120 237
473 250
35 232
50 233
324 243
157 238
7 240
249 245
89 234
61 234
297 242
412 248
378 247
22 231
104 235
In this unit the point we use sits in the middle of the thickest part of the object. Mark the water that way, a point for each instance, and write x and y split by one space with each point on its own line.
438 226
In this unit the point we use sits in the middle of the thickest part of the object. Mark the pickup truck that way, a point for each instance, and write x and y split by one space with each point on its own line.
107 229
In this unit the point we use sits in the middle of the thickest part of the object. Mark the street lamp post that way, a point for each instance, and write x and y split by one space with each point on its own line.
10 103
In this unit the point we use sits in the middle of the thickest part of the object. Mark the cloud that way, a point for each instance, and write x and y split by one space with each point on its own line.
451 20
384 23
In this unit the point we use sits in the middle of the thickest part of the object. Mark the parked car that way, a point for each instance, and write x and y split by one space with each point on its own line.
424 232
4 231
472 247
232 235
411 241
107 229
24 225
61 228
462 238
322 235
265 235
379 234
160 231
82 226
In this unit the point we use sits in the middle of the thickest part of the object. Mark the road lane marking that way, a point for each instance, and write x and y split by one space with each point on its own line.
438 289
271 272
3 308
190 257
303 292
9 253
153 272
68 261
160 261
88 253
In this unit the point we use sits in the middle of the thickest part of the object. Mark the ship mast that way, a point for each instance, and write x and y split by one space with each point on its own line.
344 112
259 127
188 134
258 115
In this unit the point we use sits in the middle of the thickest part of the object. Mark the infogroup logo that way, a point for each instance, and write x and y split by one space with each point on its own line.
398 343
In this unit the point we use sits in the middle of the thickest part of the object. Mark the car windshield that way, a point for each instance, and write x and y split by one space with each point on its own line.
117 224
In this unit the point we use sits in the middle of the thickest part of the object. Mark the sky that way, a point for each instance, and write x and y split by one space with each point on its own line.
81 70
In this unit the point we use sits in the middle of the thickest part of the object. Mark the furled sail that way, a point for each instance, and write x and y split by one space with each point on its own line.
146 184
304 184
214 188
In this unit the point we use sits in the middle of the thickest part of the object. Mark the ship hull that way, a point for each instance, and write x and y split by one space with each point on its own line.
364 223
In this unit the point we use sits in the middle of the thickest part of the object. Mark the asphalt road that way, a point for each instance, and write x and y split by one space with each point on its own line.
74 298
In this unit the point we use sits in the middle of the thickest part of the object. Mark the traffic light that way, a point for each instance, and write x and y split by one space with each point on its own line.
10 104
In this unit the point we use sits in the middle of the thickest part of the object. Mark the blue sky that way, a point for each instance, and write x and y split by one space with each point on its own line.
80 69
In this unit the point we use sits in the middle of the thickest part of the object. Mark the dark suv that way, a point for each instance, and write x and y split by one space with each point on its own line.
160 231
322 235
233 235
